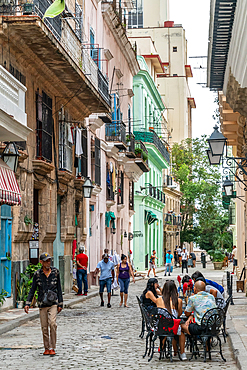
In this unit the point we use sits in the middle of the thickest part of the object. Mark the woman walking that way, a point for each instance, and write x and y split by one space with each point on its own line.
123 278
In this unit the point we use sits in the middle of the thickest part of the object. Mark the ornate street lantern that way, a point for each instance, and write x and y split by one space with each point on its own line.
87 188
213 159
228 187
217 142
11 155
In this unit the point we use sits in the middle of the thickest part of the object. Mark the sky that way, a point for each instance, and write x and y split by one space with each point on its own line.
194 17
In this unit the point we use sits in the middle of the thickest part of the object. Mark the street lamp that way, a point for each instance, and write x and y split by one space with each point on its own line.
213 159
11 155
217 142
87 188
228 187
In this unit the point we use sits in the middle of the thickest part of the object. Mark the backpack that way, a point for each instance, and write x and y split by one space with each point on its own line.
216 285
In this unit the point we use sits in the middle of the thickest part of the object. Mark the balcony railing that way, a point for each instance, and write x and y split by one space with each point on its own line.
143 153
171 219
152 138
103 87
156 193
115 132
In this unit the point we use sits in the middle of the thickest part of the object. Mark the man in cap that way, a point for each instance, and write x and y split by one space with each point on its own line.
106 269
50 301
169 258
82 261
185 256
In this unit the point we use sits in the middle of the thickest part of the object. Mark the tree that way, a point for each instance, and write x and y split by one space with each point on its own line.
203 218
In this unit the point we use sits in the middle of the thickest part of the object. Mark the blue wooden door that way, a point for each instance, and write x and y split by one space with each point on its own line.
5 251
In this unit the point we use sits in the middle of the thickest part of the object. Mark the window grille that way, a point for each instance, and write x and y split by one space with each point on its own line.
65 147
44 126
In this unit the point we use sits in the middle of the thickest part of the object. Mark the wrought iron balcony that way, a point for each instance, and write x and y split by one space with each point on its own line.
141 156
116 132
103 87
156 193
130 141
152 138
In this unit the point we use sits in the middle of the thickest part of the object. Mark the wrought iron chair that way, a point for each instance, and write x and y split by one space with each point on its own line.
162 322
220 303
211 324
139 300
146 321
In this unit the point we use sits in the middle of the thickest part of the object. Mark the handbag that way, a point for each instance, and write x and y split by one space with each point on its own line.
49 297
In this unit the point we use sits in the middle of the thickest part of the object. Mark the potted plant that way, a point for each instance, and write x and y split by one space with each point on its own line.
144 156
217 258
138 152
21 293
128 138
3 295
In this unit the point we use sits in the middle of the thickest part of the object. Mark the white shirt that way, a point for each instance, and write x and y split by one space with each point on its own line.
234 253
184 255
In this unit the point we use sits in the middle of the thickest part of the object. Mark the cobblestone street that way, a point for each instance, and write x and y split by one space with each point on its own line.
93 337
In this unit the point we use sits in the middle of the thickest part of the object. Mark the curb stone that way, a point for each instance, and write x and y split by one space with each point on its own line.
237 345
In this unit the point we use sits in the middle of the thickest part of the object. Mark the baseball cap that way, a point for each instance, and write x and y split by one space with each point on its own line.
45 257
169 251
105 256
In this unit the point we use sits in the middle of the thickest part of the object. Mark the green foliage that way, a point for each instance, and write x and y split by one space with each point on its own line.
3 295
144 156
217 255
138 150
203 218
24 284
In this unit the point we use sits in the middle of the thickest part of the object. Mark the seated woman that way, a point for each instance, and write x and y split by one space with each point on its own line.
173 304
150 294
185 279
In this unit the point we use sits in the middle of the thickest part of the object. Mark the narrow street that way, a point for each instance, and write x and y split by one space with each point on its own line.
94 337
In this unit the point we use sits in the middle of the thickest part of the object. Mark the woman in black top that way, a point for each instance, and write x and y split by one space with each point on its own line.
151 293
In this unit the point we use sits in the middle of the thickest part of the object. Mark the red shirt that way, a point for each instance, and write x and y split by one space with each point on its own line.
82 259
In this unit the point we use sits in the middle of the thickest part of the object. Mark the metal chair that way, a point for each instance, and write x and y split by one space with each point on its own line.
146 321
211 324
162 322
139 300
220 303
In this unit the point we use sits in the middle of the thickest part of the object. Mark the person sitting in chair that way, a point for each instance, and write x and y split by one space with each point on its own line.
198 305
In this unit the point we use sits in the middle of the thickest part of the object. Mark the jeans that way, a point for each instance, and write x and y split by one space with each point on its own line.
184 265
168 267
103 283
124 285
82 277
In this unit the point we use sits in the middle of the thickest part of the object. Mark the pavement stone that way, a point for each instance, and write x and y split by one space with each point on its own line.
94 337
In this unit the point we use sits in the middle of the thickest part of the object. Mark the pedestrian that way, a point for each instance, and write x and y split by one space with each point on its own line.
175 256
193 256
234 258
50 301
81 274
123 279
179 250
106 269
152 264
169 258
184 256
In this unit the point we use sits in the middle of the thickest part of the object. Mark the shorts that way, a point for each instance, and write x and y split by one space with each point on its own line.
103 283
235 262
151 265
124 285
195 329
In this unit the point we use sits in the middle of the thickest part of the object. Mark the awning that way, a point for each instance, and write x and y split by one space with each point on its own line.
150 217
9 189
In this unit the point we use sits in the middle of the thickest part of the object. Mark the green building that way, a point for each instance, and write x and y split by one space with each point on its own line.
149 200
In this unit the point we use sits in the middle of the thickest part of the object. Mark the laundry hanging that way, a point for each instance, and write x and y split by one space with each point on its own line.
70 135
78 146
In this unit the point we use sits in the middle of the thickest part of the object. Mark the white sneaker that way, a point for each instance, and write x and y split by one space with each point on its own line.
183 357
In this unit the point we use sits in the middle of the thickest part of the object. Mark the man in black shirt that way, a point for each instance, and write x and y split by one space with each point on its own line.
50 300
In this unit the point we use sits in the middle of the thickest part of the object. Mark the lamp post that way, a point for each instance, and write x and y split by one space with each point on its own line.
228 187
217 142
87 188
11 155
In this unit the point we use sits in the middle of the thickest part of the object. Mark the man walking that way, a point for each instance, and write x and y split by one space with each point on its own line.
169 258
50 301
106 269
234 258
184 260
179 252
152 264
81 274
